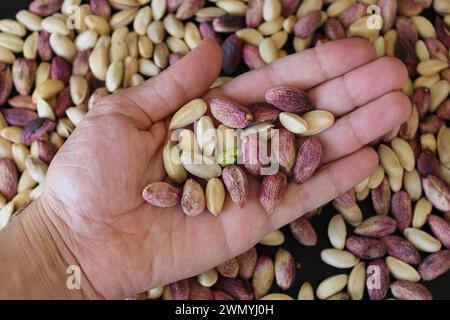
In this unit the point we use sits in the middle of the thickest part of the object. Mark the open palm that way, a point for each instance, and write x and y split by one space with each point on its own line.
94 185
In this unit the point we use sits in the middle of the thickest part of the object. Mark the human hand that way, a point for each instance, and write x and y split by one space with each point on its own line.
93 187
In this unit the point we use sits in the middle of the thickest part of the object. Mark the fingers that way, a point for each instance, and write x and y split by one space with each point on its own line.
305 70
188 79
324 186
360 86
364 125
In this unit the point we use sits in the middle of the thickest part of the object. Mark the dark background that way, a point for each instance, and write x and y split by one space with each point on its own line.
310 267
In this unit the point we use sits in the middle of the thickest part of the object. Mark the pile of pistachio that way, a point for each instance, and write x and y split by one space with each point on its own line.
59 57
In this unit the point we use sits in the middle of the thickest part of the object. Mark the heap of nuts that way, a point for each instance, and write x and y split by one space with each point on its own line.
245 136
59 57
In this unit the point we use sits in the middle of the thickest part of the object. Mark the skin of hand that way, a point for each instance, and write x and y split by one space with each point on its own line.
92 213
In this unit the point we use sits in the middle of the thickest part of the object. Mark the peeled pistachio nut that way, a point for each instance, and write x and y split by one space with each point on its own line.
36 129
236 181
276 296
306 292
331 286
441 229
229 268
357 281
167 293
400 270
272 190
284 269
293 123
114 76
422 240
381 197
230 113
337 232
215 195
11 42
262 129
407 290
308 159
422 210
12 134
302 44
99 61
236 288
412 184
424 27
189 113
172 163
285 150
42 73
267 50
9 178
318 121
376 227
200 166
123 18
404 153
46 151
339 258
64 127
377 279
263 276
352 215
359 28
209 13
155 293
47 90
346 199
208 278
431 67
5 214
187 141
250 36
247 263
407 130
303 231
5 148
389 160
19 154
365 248
180 290
30 46
401 209
36 168
439 92
79 90
273 239
289 99
30 20
193 198
63 46
443 148
18 116
437 192
206 135
435 265
162 194
199 292
6 56
401 249
21 200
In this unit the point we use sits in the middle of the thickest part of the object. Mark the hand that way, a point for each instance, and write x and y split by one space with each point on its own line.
94 185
